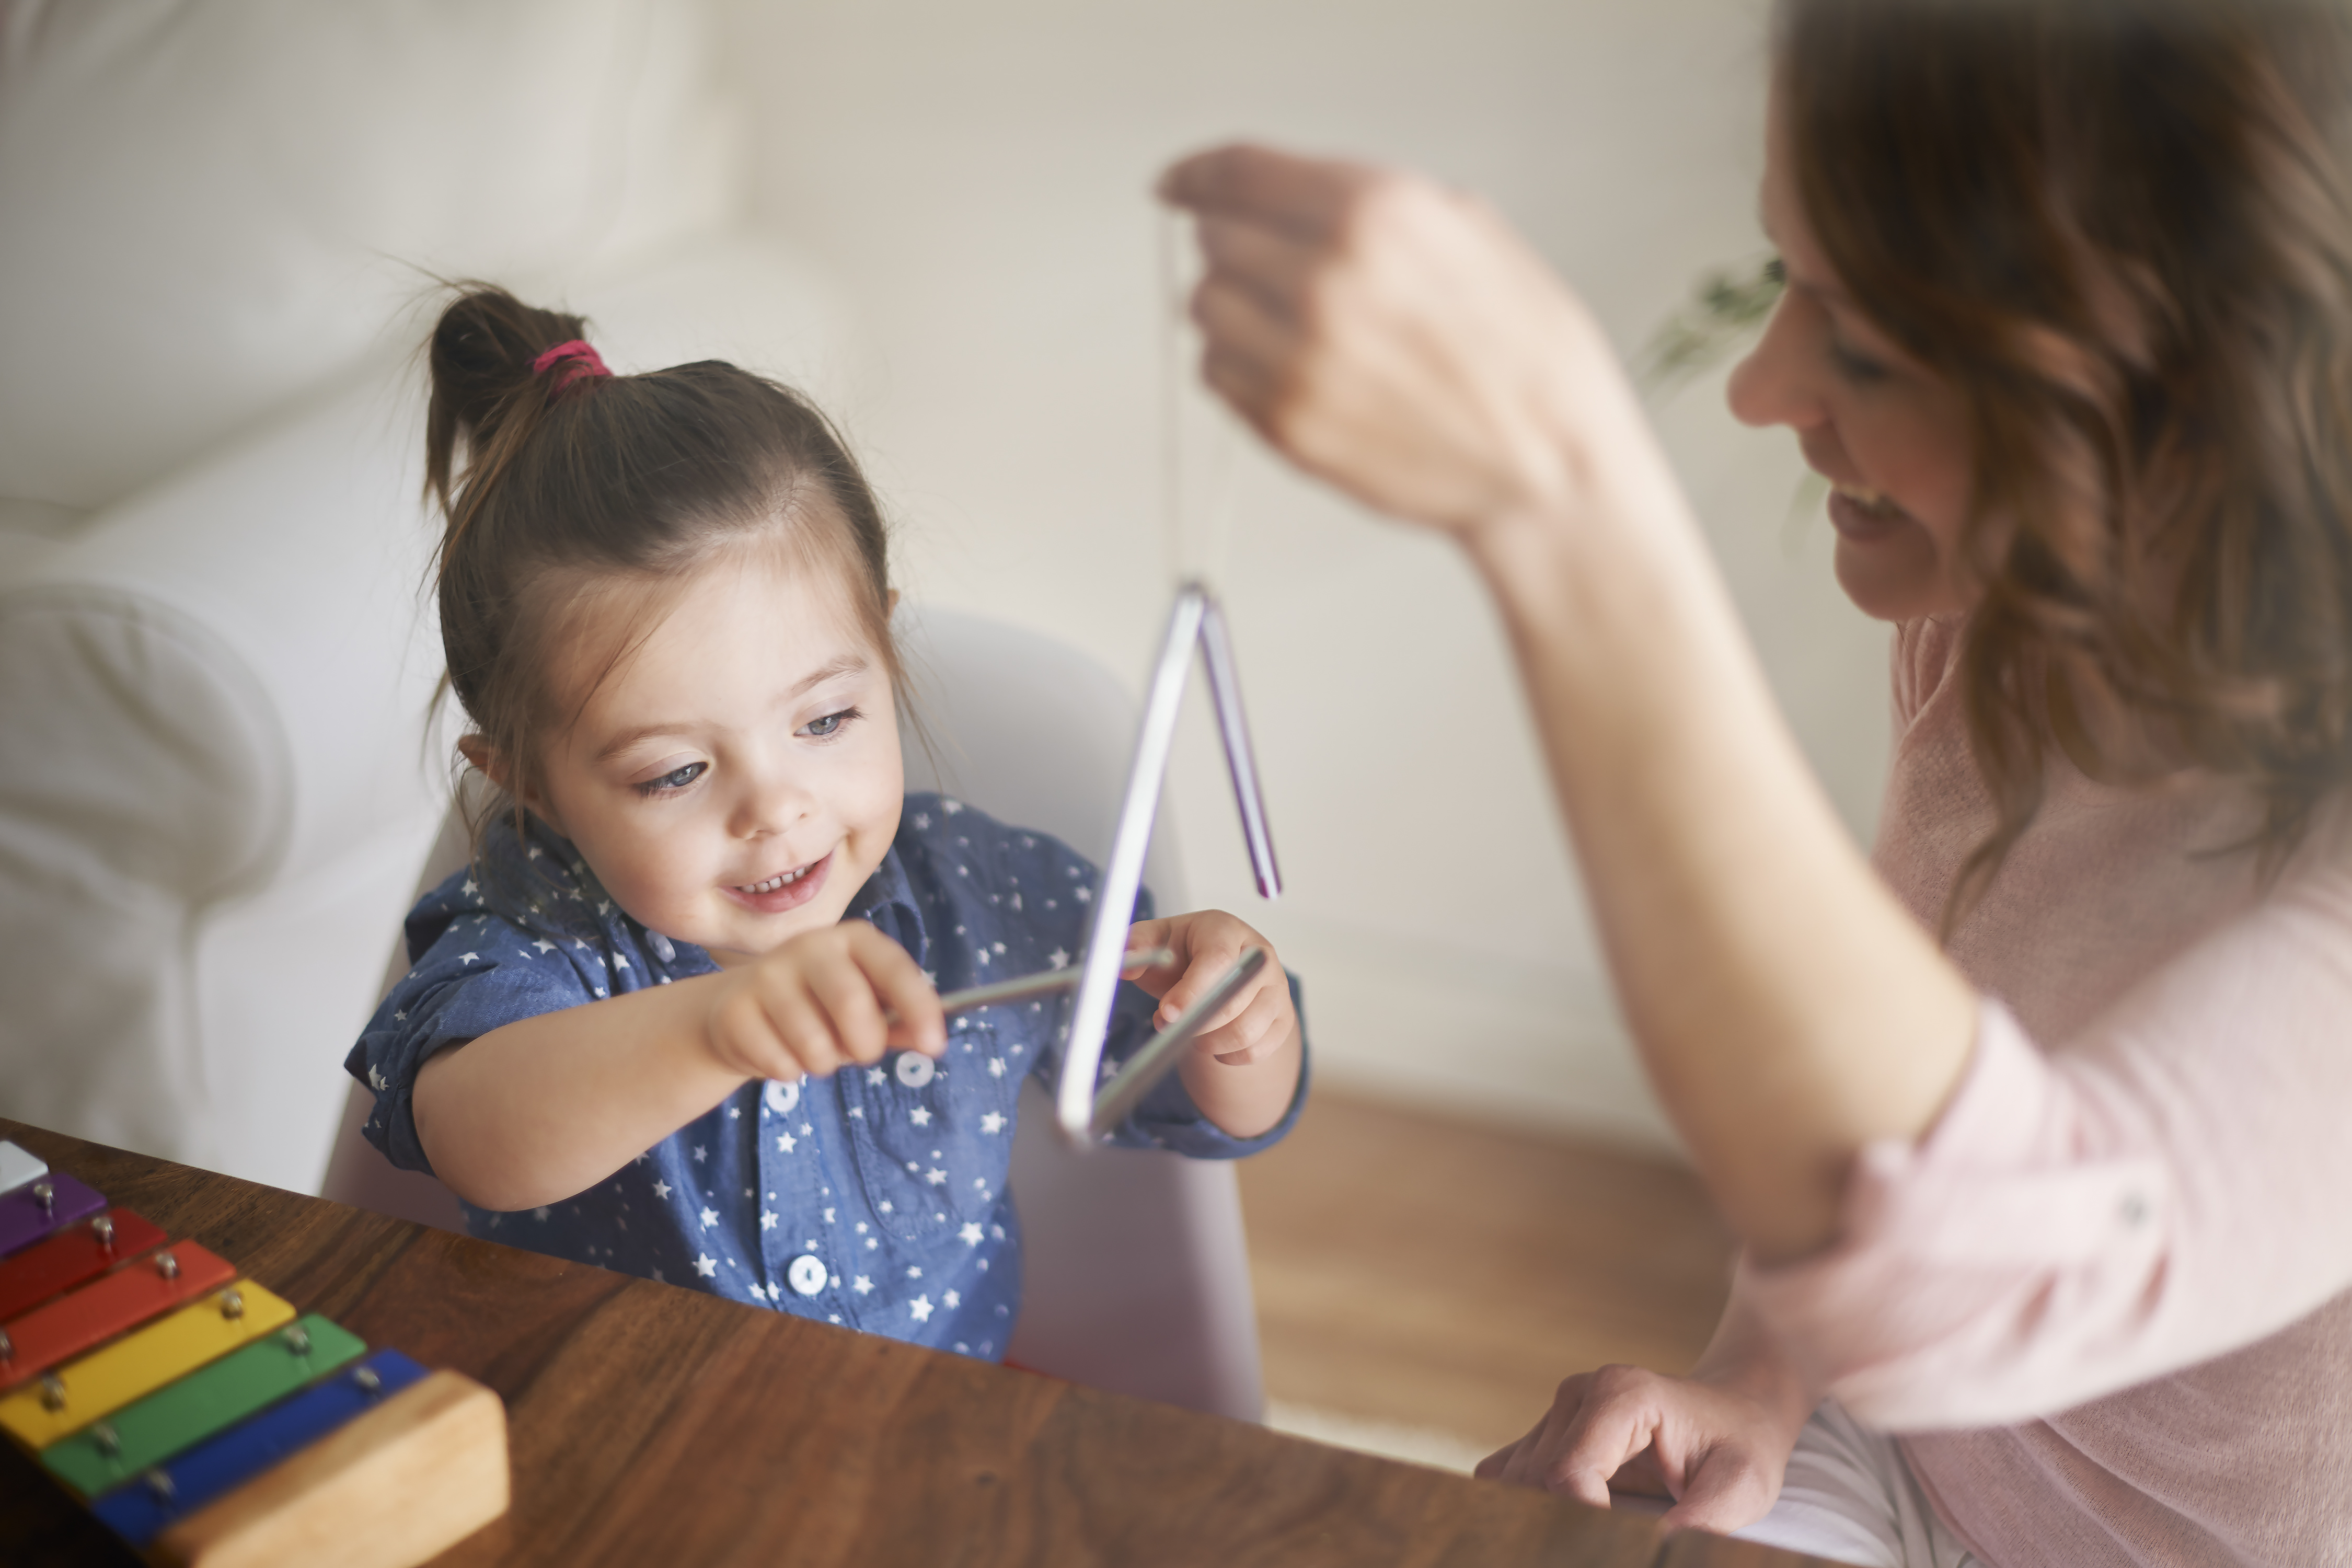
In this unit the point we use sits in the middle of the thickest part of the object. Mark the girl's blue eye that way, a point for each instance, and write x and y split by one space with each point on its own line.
671 783
820 729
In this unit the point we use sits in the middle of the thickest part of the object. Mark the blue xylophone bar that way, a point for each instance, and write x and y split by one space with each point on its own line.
143 1508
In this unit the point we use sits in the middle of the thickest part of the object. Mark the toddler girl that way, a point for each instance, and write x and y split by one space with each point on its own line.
680 1016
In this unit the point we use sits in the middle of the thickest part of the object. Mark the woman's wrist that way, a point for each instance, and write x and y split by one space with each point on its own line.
1745 1358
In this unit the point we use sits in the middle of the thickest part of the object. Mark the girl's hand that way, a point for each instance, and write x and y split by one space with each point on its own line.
1255 1022
1396 337
819 1002
1719 1451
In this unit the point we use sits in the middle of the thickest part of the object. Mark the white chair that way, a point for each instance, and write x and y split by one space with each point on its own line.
1137 1278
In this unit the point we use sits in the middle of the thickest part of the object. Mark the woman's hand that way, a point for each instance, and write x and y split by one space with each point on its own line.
824 1000
1397 338
1243 1068
1718 1450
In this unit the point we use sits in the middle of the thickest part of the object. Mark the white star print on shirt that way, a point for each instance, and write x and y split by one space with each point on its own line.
920 1116
709 1218
661 1189
992 1122
786 1144
706 1266
469 958
936 1176
861 1284
768 1218
701 1154
970 1234
921 1306
376 1081
1058 959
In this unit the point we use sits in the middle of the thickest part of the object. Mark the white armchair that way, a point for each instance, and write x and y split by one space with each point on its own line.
215 657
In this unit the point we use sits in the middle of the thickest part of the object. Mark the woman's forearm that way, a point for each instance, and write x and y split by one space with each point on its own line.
1397 339
1788 1010
542 1108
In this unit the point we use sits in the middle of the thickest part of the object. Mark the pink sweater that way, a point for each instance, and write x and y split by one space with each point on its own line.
2108 1298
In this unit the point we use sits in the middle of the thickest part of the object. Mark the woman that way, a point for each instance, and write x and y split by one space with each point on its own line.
2033 1133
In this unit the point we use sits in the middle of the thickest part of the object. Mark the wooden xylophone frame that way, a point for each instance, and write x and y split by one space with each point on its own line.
204 1420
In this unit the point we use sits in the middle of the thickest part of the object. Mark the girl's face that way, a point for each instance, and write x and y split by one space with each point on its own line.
735 778
1889 435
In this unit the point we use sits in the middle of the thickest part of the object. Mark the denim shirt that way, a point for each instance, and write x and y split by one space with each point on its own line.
876 1198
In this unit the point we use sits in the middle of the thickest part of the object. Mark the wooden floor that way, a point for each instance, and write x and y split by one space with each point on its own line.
1427 1272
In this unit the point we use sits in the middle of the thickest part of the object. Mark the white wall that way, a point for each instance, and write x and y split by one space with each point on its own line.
974 178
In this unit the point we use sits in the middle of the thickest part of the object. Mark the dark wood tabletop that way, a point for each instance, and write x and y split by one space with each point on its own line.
650 1424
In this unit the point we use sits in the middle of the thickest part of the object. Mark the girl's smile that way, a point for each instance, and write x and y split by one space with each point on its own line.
785 890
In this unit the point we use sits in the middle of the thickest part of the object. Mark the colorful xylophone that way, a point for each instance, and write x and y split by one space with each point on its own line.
204 1421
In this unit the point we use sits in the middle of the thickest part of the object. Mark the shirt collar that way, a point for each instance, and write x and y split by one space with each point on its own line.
887 902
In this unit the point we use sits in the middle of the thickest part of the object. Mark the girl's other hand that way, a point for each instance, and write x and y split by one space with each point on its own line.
1718 1451
1255 1022
824 1000
1396 337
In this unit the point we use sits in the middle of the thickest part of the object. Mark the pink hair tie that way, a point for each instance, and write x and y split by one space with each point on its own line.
585 362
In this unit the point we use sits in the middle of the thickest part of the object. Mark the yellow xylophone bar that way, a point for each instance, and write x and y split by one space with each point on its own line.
138 1363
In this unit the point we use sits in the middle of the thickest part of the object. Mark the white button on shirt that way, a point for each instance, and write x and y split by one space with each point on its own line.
781 1097
914 1068
807 1275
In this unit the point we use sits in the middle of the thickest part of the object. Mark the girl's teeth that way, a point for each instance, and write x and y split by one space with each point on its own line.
773 883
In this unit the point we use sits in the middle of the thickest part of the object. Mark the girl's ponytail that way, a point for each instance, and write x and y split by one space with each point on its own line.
486 391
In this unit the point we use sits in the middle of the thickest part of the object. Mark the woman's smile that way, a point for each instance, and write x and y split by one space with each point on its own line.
1865 516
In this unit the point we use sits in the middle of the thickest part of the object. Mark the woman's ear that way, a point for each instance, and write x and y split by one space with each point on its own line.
491 763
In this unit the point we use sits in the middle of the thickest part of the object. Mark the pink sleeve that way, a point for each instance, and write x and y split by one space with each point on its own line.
2176 1183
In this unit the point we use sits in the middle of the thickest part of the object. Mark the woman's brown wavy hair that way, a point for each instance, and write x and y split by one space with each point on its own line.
2123 228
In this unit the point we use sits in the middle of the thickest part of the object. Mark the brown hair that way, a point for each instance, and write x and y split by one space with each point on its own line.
570 481
2122 229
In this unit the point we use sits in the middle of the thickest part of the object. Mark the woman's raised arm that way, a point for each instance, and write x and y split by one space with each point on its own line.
1399 340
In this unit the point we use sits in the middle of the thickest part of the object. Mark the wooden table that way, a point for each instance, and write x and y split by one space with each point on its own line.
653 1425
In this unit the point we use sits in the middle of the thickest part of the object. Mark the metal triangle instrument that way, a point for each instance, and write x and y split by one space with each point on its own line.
1084 1110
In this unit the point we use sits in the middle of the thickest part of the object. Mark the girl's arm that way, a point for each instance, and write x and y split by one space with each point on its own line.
540 1109
1243 1070
1401 342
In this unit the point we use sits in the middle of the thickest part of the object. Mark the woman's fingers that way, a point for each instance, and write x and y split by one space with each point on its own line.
1305 196
1393 337
1727 1489
1614 1426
